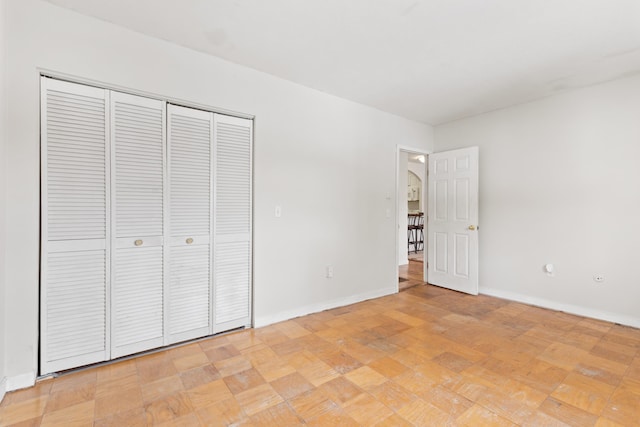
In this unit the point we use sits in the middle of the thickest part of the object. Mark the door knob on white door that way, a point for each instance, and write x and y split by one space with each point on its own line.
472 227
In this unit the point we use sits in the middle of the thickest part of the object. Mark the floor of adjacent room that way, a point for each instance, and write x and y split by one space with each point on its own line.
424 356
411 274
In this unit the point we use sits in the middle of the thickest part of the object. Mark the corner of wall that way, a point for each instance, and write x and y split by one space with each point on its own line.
20 381
3 119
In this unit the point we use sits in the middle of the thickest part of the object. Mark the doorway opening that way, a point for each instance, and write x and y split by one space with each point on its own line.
411 207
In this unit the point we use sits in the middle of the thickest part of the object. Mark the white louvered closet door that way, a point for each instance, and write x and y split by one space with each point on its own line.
137 288
75 225
189 157
232 157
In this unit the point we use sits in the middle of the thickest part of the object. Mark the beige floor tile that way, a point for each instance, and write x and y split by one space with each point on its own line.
367 410
584 393
168 408
392 395
112 401
23 410
132 418
191 361
73 416
479 416
366 378
341 390
313 404
222 413
278 415
421 413
70 396
162 387
567 413
209 394
292 385
258 399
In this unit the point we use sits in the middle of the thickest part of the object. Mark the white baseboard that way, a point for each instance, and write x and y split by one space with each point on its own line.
260 321
21 381
567 308
3 388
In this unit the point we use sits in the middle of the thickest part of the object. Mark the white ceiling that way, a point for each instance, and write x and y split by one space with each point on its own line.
429 60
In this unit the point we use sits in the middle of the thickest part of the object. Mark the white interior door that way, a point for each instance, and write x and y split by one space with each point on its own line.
75 225
190 222
137 288
232 142
452 224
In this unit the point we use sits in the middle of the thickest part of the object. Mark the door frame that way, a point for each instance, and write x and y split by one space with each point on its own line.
411 150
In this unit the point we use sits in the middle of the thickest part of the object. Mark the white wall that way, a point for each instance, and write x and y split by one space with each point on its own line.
3 127
328 162
419 169
559 183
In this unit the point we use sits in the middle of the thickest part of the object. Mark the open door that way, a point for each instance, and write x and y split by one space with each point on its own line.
452 223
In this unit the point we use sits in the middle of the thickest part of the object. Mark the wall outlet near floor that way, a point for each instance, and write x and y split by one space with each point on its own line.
599 278
329 271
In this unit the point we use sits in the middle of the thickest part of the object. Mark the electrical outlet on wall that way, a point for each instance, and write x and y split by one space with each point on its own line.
329 271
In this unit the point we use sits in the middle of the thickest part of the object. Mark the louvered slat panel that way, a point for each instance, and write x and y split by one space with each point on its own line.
75 293
233 178
190 169
232 222
190 222
137 305
189 289
76 146
139 142
232 277
74 260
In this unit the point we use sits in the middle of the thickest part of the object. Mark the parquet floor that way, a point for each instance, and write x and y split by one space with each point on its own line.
425 356
410 274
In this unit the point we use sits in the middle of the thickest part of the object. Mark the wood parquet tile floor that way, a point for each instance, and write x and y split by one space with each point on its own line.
423 357
410 274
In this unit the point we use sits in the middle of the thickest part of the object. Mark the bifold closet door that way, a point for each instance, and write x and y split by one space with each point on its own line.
189 159
232 142
146 224
138 202
75 225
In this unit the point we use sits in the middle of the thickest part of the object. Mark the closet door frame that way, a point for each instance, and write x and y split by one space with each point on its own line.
110 241
47 247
